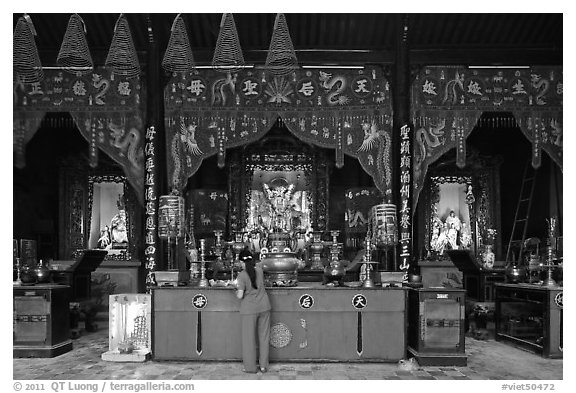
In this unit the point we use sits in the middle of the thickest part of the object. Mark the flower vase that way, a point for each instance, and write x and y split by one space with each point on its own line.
488 256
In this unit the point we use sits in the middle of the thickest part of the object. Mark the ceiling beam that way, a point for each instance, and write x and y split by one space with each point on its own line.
486 56
442 56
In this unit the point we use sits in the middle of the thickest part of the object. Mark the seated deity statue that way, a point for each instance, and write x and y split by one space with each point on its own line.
452 219
452 237
118 229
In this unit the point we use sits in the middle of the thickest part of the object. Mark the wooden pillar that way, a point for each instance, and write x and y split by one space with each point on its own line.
154 150
402 141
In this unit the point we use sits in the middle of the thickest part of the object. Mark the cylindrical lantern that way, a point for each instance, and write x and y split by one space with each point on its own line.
171 217
384 224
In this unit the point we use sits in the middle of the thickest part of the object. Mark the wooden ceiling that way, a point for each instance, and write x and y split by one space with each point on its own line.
336 38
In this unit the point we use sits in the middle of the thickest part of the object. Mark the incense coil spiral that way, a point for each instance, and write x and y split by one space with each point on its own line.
228 55
74 52
25 60
178 56
122 57
281 58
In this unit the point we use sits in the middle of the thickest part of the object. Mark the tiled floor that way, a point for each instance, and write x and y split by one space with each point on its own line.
487 360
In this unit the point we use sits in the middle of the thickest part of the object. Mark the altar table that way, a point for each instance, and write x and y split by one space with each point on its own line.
309 322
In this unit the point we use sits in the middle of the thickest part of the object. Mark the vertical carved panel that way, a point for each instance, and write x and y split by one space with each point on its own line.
322 178
236 198
77 214
72 234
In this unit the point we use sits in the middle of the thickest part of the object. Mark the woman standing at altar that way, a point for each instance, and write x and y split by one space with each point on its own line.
255 312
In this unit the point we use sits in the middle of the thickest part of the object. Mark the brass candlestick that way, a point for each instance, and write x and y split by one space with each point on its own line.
335 247
368 282
203 280
218 251
18 280
549 281
316 248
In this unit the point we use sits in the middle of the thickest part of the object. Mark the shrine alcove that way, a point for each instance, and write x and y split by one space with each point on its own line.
497 155
279 156
54 197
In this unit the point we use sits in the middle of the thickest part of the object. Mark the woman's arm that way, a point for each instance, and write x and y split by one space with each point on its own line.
239 293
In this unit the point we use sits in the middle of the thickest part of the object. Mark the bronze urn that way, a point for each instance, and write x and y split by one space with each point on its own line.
334 272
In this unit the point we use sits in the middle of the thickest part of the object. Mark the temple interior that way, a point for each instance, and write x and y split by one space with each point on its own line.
410 194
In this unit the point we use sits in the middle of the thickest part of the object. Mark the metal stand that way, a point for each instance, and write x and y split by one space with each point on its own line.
549 281
18 280
218 252
368 282
203 280
316 249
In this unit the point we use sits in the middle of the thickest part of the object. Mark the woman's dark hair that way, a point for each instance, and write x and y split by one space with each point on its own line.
249 262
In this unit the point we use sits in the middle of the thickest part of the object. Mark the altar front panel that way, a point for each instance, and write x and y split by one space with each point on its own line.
332 328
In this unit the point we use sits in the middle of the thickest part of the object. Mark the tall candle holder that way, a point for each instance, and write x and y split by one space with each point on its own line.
550 251
218 251
18 280
203 283
316 248
335 247
549 281
368 281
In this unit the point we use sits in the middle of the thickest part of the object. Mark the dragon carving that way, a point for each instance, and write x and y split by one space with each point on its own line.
557 132
219 86
427 140
98 82
542 86
374 137
127 142
328 82
450 94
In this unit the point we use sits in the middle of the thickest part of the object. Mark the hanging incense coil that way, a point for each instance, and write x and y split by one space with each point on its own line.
122 57
281 59
74 52
178 56
25 60
228 55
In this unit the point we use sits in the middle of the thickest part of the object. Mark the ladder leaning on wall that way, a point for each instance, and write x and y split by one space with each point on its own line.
522 214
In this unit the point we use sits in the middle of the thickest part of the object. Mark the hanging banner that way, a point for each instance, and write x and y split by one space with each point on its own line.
405 196
359 201
210 210
106 108
447 102
151 206
346 110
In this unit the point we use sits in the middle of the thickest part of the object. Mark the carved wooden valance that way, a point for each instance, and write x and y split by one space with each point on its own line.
448 101
107 109
342 109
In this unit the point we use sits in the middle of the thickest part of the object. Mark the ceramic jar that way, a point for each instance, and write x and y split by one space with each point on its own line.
488 256
335 271
27 275
515 273
42 272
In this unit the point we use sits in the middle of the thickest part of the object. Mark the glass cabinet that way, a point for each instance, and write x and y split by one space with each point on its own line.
530 316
